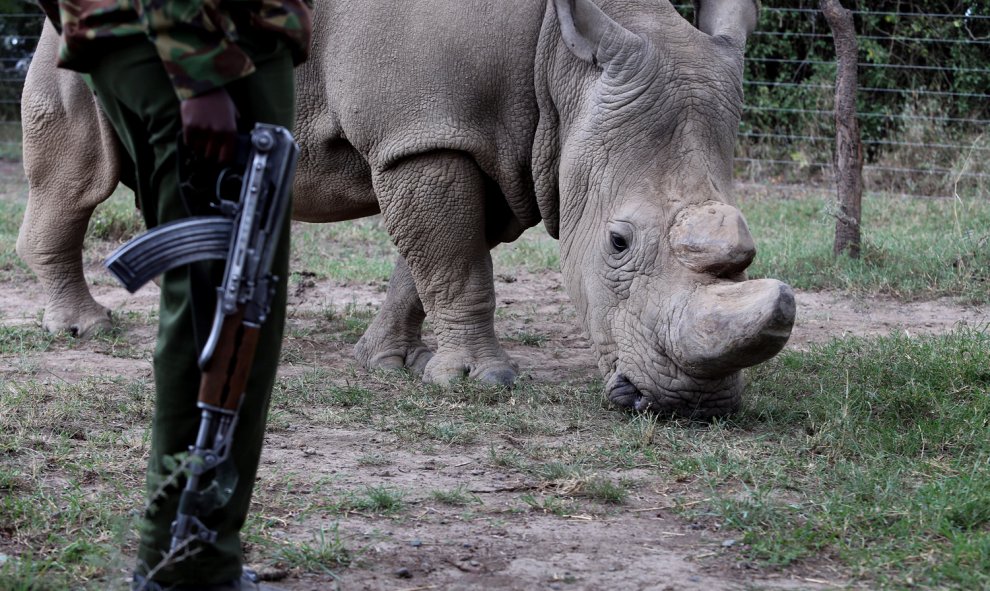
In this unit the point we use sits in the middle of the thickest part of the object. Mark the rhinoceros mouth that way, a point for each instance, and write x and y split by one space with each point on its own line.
624 393
706 399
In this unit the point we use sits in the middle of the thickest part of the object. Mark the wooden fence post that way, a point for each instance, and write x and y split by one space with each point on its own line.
848 146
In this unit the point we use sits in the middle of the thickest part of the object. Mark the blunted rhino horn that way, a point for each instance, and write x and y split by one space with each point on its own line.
732 19
712 238
730 326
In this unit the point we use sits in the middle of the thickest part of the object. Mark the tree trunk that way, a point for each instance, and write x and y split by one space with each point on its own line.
848 147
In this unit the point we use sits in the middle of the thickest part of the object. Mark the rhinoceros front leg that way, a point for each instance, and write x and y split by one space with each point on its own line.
394 340
434 209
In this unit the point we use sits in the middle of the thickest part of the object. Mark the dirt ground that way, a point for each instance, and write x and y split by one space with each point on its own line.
641 544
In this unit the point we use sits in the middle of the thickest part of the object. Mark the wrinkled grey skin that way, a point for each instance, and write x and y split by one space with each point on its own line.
465 123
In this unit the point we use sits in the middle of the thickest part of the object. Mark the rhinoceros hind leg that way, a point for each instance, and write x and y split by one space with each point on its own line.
72 165
434 208
50 242
394 339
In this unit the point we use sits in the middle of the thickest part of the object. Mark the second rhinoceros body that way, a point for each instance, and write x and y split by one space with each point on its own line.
464 122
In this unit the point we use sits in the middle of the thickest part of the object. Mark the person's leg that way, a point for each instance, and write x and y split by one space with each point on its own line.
138 98
267 96
140 101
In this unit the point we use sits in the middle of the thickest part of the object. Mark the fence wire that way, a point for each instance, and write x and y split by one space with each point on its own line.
919 148
925 135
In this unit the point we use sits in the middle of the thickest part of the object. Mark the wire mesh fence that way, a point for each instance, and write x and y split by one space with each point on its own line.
19 33
923 101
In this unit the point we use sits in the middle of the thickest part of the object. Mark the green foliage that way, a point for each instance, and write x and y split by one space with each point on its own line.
11 215
549 504
869 455
910 53
605 490
900 39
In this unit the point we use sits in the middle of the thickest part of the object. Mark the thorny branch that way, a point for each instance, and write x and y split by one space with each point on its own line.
185 463
174 556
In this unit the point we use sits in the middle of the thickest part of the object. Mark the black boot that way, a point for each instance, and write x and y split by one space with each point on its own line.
248 582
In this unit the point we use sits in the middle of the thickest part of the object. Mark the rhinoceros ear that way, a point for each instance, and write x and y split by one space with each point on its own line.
732 19
588 32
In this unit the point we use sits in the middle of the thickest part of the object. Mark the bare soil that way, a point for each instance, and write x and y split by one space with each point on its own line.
490 544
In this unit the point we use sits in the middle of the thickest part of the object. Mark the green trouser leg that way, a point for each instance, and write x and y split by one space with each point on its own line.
139 100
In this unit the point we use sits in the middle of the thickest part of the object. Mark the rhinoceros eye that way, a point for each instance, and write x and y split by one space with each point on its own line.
618 242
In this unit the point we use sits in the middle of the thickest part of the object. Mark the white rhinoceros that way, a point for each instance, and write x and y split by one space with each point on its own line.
465 122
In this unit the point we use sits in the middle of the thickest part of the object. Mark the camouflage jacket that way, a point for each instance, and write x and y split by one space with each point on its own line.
196 39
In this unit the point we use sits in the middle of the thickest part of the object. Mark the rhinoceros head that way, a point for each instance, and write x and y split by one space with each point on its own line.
639 111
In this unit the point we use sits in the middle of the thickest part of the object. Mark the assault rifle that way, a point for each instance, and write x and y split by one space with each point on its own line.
245 234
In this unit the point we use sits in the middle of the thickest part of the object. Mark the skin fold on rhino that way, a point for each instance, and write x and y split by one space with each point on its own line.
464 123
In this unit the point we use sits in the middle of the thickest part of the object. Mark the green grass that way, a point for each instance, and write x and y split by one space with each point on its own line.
118 342
381 500
529 338
18 340
326 552
869 452
117 219
374 459
457 497
10 140
605 490
534 251
551 504
114 221
350 322
69 479
354 251
912 248
25 340
11 214
361 251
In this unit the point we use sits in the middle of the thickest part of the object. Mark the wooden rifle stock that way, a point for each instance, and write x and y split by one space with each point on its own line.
224 379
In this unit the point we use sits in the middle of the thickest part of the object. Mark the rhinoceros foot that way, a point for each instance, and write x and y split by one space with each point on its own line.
446 368
376 351
79 320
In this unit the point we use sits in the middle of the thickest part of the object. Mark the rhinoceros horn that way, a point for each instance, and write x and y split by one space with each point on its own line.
731 326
